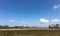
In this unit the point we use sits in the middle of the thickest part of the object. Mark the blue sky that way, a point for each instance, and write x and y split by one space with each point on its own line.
29 12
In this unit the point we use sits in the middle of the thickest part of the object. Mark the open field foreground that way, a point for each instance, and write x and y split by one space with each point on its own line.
30 32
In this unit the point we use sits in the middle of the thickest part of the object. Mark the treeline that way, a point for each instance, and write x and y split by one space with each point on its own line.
50 26
6 26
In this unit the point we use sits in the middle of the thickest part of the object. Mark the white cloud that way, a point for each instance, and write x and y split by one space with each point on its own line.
55 20
56 6
12 21
43 20
23 23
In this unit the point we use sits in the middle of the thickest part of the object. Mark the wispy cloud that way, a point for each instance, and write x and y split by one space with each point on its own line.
22 22
55 20
56 6
12 21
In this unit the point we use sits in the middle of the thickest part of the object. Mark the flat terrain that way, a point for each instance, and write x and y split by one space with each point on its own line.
30 32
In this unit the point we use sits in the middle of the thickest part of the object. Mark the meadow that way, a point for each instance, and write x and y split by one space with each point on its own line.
29 32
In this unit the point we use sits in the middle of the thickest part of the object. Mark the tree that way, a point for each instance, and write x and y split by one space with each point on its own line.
57 26
49 26
54 26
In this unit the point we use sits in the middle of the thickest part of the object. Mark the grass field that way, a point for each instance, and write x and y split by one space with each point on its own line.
30 32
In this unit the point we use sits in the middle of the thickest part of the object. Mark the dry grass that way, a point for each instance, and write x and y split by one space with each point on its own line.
30 32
